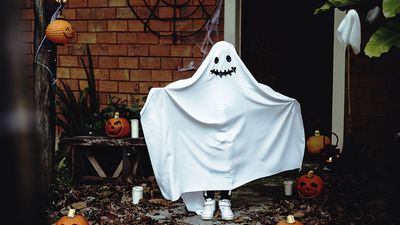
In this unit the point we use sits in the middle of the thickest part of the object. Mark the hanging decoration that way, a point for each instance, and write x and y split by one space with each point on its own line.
175 33
60 31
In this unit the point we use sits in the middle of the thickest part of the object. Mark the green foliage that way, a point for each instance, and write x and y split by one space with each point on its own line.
387 35
78 115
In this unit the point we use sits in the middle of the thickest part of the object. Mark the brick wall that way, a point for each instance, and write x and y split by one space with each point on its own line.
375 99
127 60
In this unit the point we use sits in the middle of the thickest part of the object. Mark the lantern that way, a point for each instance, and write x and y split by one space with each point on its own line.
72 219
317 142
309 185
289 221
60 31
117 127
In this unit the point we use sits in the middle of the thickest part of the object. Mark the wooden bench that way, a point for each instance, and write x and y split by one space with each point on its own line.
86 146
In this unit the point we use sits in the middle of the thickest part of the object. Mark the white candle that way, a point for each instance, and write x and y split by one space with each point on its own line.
134 128
137 194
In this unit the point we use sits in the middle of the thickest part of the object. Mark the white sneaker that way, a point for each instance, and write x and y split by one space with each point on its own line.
208 210
225 208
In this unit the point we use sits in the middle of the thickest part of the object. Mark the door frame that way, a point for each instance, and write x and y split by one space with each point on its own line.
232 34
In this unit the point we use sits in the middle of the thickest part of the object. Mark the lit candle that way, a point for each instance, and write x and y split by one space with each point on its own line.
134 128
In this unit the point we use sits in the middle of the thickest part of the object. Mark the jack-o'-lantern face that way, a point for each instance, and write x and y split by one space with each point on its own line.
310 185
117 127
69 32
114 126
223 72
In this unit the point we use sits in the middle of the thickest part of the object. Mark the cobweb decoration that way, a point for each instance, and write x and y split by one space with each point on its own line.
180 12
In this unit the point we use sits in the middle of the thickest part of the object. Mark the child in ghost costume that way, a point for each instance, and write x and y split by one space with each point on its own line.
218 130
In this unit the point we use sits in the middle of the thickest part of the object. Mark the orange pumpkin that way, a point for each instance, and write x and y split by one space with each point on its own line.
317 142
60 31
117 127
72 219
289 221
309 185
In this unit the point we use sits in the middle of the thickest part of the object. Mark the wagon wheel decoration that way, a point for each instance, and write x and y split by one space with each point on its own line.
153 14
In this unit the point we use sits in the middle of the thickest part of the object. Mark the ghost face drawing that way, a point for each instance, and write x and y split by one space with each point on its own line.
225 61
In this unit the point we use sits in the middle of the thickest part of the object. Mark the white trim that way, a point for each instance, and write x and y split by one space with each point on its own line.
232 31
232 22
338 82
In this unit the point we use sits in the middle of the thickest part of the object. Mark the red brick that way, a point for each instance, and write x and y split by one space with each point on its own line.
108 62
196 61
27 37
171 63
372 109
119 74
108 37
79 26
117 3
101 74
191 10
78 73
108 86
181 50
149 63
83 84
138 50
105 13
159 50
186 25
62 49
117 25
178 75
85 13
128 62
126 38
161 75
135 25
77 49
63 72
142 12
70 14
197 51
97 25
158 25
168 40
87 37
147 38
73 84
25 4
99 49
25 25
165 12
77 3
98 3
125 13
27 14
128 87
144 87
118 50
69 61
95 61
140 75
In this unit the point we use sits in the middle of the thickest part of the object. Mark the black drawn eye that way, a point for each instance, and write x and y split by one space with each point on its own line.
228 58
216 60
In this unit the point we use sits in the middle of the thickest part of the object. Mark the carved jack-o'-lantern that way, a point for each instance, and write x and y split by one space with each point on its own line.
317 142
117 127
60 31
289 221
72 219
309 185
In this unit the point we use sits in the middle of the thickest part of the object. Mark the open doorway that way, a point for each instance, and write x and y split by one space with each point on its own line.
289 49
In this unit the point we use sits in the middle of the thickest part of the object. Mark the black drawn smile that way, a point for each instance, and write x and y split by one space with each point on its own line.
221 73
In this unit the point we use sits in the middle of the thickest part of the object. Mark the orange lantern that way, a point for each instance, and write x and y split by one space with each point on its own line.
72 219
117 127
60 31
289 221
317 142
309 185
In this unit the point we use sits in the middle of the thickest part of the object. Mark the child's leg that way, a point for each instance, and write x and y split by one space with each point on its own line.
226 195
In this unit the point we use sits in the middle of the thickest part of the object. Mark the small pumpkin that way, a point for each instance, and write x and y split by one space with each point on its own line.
289 221
117 127
309 185
60 31
317 142
72 219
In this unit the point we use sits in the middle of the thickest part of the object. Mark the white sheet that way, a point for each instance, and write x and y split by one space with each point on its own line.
349 31
219 129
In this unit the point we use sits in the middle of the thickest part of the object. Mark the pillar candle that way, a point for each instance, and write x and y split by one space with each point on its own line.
134 128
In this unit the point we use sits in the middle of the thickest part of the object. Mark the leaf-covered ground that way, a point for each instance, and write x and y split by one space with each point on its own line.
346 199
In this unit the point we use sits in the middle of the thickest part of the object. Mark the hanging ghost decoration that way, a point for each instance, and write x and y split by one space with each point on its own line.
219 129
